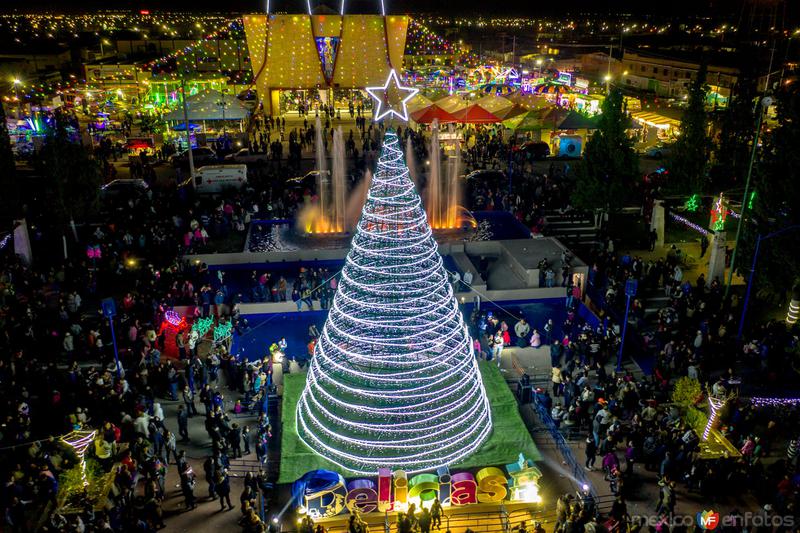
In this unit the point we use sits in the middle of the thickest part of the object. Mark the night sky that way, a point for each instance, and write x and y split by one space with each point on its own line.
464 7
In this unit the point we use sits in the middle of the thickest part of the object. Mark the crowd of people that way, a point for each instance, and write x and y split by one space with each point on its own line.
631 423
59 372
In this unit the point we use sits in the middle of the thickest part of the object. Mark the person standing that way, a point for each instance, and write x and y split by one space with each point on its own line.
183 424
180 342
703 245
235 440
246 439
188 401
187 488
424 521
591 453
223 487
170 446
436 513
522 329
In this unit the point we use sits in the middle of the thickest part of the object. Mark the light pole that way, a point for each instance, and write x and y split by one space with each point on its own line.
17 83
761 108
631 287
188 131
753 271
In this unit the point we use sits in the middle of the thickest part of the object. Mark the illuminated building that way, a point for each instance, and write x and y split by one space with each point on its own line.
323 52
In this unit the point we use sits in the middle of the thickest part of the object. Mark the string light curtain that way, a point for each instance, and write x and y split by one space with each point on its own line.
394 381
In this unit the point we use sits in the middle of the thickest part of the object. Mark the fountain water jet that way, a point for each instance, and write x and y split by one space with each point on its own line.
444 195
328 213
434 193
338 185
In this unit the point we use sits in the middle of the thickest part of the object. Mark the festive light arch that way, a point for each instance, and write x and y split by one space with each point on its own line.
394 381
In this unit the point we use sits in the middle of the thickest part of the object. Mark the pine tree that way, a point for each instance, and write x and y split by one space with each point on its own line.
394 382
73 176
10 203
738 127
609 168
688 164
775 205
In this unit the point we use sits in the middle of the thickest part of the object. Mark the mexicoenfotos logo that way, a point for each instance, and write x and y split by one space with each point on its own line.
708 520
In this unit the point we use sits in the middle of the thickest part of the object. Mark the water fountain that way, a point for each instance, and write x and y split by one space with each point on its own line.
434 192
323 181
328 213
338 185
452 206
444 195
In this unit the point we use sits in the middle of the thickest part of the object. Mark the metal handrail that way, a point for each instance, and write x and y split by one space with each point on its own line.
567 456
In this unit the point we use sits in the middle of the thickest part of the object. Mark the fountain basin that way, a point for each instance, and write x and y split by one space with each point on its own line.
283 235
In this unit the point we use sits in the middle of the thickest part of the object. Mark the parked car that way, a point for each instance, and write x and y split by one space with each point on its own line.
659 151
202 155
537 149
122 189
245 156
214 179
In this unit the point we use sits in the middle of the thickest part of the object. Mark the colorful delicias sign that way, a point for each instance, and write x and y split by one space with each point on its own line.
322 493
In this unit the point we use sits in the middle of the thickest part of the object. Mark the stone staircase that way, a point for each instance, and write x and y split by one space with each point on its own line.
573 229
654 300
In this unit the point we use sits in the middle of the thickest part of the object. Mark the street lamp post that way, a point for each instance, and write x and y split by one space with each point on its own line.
188 131
753 271
17 83
631 287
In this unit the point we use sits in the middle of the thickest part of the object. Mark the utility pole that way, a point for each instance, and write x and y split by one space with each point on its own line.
188 131
513 50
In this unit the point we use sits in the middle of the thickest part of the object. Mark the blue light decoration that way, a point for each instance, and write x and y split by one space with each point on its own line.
762 401
327 47
689 224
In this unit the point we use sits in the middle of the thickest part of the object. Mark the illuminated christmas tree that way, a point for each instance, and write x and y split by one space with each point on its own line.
394 381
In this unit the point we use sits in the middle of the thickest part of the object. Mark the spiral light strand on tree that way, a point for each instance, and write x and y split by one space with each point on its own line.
394 381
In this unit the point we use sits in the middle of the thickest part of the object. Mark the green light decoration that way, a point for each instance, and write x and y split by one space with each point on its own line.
751 200
202 325
693 203
222 332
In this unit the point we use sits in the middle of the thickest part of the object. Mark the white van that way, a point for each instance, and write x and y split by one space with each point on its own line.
213 179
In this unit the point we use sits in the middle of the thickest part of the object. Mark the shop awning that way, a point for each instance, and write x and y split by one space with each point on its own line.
656 120
475 114
431 113
496 105
418 102
577 121
529 101
452 104
210 105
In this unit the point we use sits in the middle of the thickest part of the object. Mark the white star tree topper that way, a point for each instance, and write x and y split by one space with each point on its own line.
392 98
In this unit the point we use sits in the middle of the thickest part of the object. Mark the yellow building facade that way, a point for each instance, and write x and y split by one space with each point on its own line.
322 52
